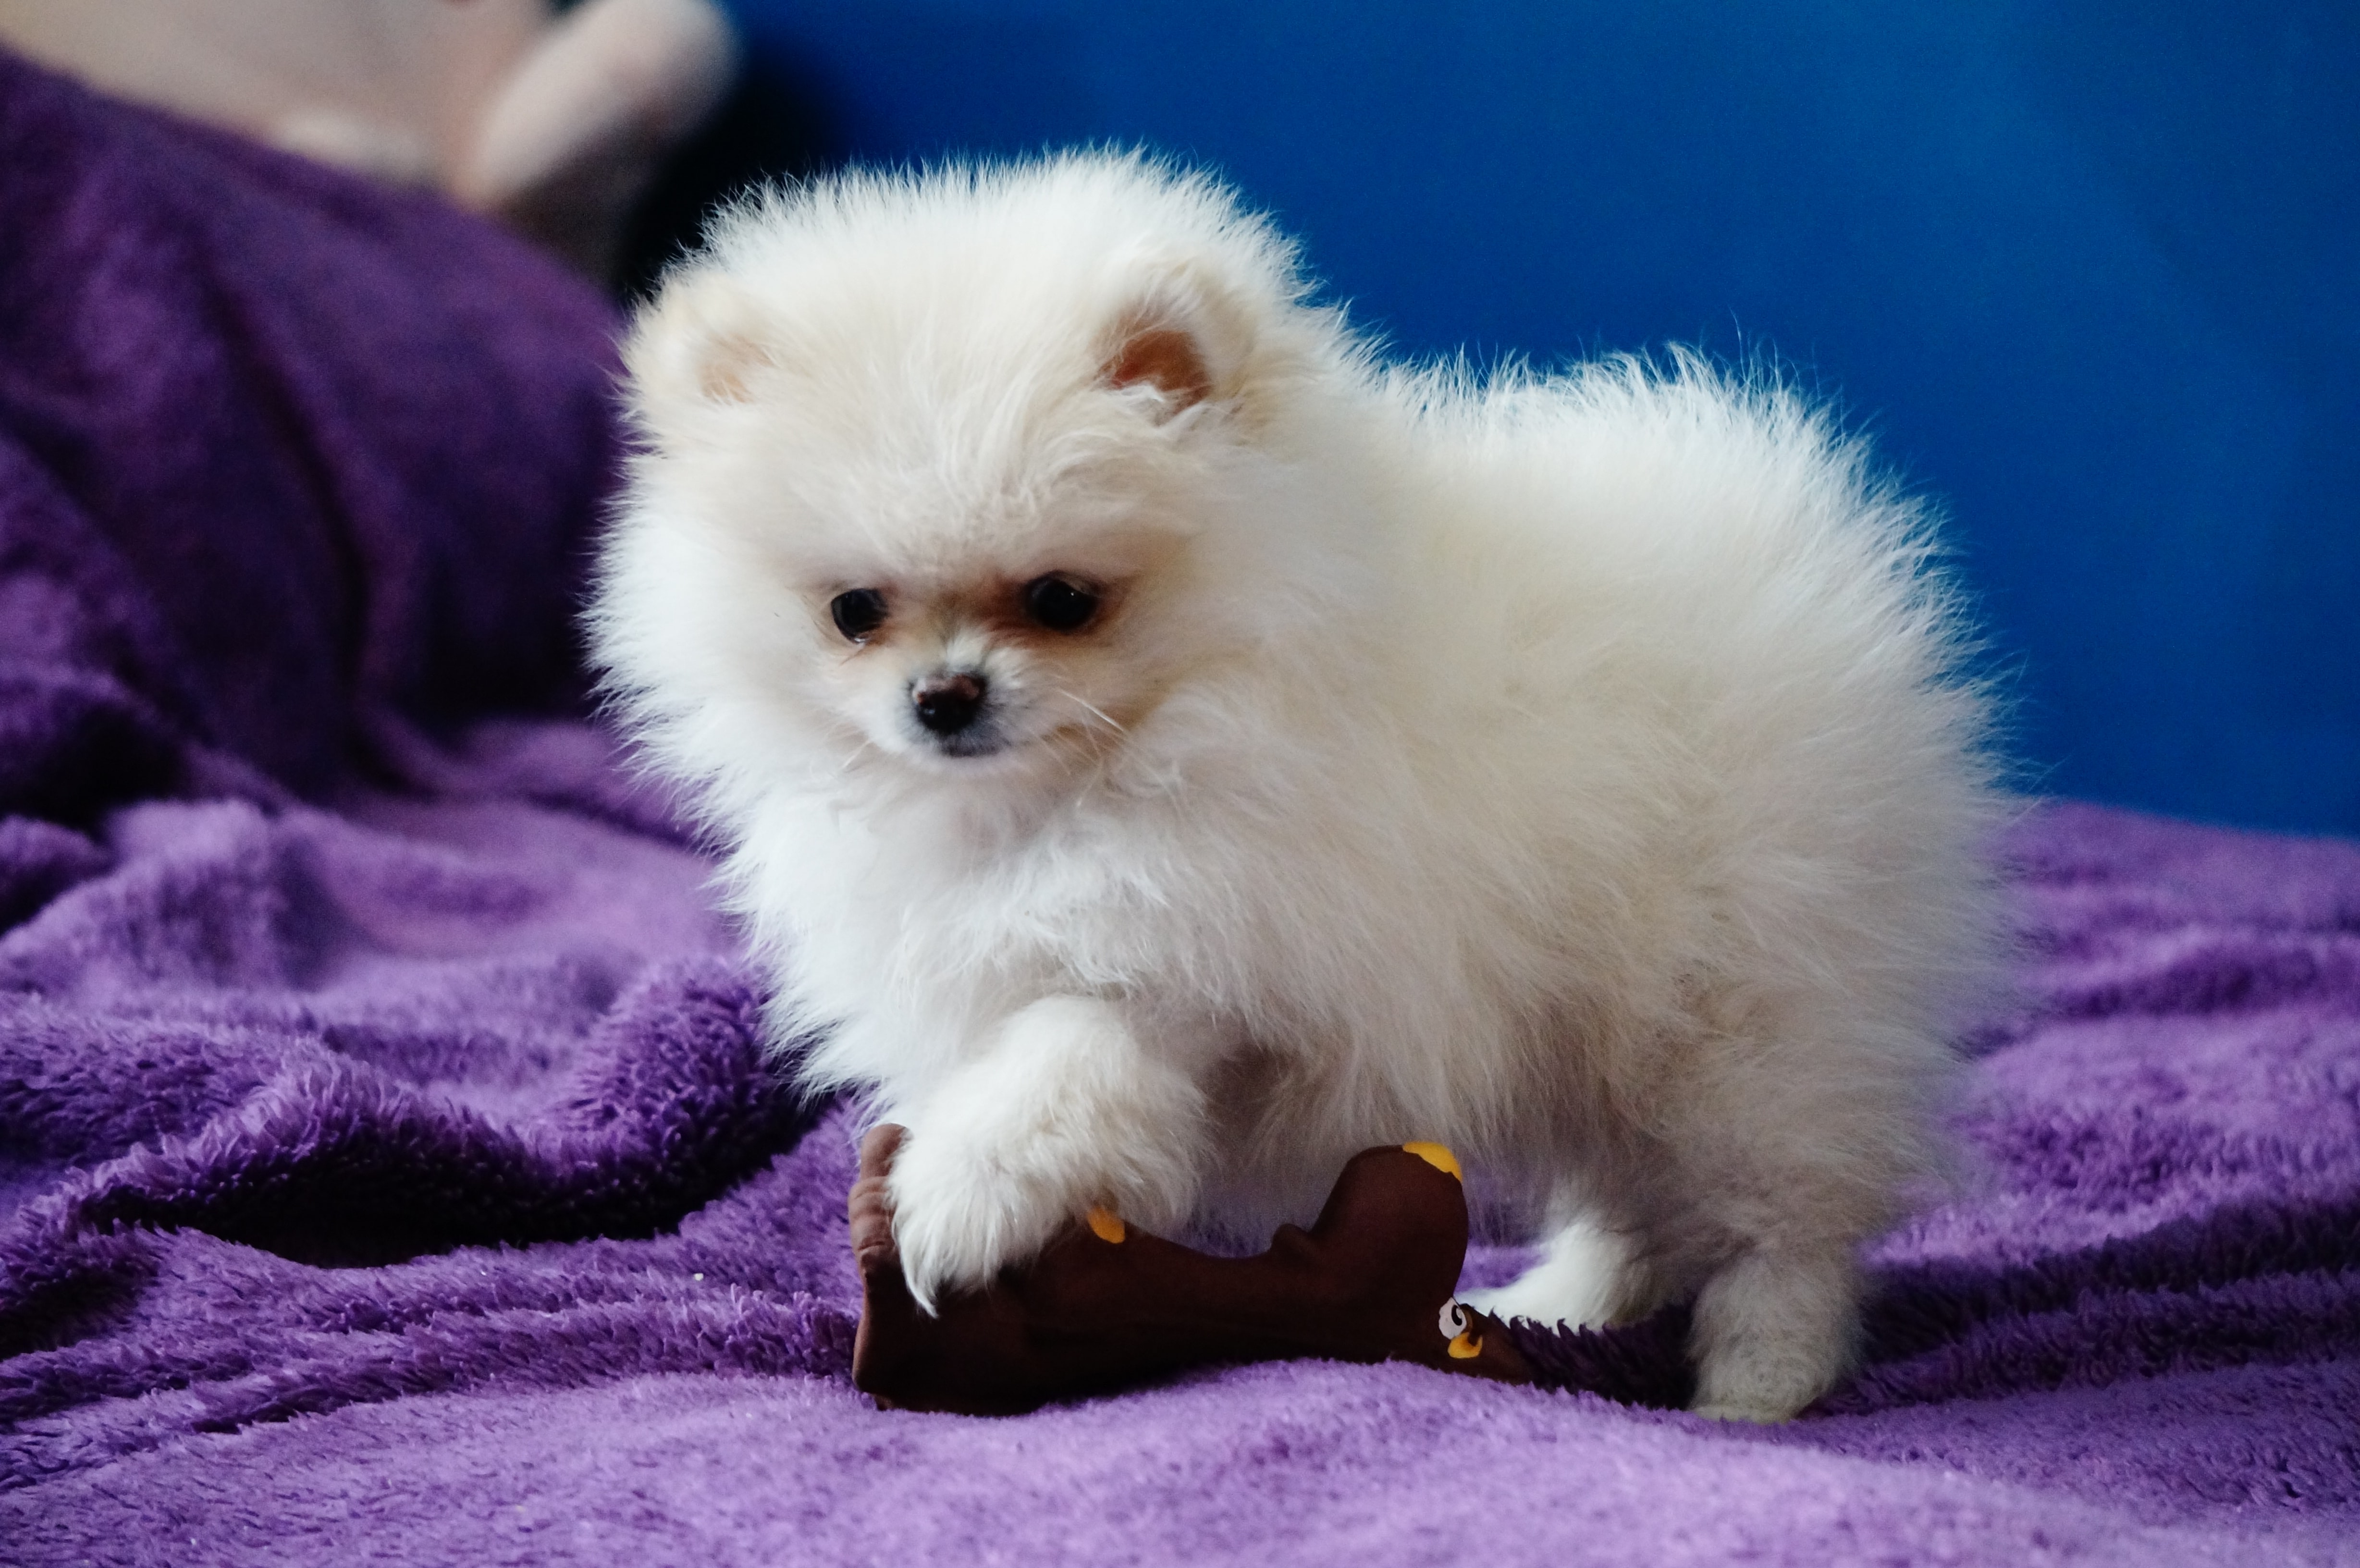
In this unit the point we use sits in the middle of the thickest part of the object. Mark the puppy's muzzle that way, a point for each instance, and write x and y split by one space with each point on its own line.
949 703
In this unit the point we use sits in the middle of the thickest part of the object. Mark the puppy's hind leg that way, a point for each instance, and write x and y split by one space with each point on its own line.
1772 1332
1772 1328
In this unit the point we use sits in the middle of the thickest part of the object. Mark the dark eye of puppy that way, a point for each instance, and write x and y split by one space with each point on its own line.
1060 603
857 613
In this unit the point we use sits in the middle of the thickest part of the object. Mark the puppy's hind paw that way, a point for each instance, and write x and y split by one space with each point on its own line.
1761 1386
1773 1333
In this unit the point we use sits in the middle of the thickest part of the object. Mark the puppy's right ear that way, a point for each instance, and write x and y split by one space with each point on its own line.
702 343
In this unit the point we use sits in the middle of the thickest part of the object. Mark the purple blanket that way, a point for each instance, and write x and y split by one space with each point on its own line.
388 1170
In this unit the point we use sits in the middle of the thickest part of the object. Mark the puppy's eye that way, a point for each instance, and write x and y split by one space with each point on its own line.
1059 602
857 613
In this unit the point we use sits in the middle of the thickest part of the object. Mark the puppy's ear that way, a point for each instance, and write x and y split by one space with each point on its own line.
1181 336
1161 356
702 342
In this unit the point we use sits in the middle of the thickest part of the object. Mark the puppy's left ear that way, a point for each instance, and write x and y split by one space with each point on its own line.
1182 337
703 343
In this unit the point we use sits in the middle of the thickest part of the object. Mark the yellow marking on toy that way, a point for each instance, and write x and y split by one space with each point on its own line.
1441 1158
1106 1224
1466 1346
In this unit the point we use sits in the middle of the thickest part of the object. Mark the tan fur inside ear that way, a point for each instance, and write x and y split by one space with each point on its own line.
726 366
1166 357
1183 331
700 342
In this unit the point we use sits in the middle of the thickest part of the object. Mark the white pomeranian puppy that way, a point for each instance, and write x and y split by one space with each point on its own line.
1163 749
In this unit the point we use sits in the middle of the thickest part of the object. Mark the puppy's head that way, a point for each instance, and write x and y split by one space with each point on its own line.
945 474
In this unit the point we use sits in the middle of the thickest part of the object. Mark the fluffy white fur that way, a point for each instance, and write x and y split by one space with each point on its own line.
1575 770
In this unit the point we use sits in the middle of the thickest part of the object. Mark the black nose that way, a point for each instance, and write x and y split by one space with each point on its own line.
948 704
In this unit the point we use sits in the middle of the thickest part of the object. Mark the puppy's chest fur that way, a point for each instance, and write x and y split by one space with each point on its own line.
1305 925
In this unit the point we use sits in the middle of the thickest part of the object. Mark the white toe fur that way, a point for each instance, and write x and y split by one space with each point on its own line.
1581 1282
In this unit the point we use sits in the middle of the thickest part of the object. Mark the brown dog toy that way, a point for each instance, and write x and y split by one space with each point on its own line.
1104 1305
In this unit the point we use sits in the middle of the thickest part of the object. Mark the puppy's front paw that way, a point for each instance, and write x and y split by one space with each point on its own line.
961 1216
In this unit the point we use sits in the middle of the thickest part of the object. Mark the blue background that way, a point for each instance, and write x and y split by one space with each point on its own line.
2089 273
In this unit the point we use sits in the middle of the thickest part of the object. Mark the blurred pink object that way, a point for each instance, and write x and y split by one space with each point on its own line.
556 125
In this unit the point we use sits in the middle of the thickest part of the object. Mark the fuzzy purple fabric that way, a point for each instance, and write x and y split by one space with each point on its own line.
388 1169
